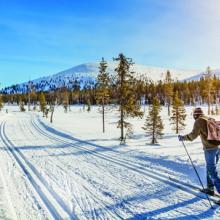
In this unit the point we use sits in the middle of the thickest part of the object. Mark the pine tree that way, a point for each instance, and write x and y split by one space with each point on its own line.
21 105
65 101
1 102
208 81
103 94
216 92
216 110
42 103
153 124
29 90
168 90
33 97
88 103
178 115
126 95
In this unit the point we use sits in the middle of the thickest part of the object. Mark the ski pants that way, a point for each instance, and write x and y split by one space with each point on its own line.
212 157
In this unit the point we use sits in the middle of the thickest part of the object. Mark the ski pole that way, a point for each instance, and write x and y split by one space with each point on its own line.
200 181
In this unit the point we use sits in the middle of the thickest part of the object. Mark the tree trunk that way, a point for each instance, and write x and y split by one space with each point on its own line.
103 118
51 116
153 136
29 102
209 101
177 122
168 108
209 105
122 124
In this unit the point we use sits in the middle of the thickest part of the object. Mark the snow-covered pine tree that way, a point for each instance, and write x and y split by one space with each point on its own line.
126 94
168 90
178 114
153 124
1 102
102 89
42 103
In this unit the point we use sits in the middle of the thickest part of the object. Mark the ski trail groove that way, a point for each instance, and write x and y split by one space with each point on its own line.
51 200
128 164
93 196
122 204
8 197
86 188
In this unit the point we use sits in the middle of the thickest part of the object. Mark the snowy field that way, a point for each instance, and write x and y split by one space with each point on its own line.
71 170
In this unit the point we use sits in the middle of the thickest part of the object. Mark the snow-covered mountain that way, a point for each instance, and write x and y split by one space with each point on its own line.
198 76
85 74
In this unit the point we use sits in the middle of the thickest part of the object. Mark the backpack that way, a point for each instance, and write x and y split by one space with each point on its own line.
213 128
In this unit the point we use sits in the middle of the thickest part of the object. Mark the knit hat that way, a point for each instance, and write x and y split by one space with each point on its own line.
198 111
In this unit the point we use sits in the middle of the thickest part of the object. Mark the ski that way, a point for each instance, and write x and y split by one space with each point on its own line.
215 198
192 186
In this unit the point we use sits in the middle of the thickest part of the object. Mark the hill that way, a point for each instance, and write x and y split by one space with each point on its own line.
85 75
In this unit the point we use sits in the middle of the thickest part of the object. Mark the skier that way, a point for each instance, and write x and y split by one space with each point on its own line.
211 150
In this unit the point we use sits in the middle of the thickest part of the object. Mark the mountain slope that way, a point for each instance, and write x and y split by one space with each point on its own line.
85 74
198 76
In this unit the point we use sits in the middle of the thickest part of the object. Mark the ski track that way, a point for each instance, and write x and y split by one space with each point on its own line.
166 181
29 170
90 185
115 160
115 178
101 170
89 194
18 215
6 201
103 204
78 144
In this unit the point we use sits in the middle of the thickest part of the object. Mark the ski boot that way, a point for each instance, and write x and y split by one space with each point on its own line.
208 191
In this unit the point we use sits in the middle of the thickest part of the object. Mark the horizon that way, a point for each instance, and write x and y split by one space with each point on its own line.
45 38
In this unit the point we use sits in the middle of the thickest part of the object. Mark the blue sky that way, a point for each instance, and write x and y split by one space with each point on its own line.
42 37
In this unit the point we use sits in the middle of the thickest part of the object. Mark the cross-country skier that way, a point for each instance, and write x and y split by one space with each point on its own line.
211 150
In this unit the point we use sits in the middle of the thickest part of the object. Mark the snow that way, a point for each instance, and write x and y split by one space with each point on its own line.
71 170
88 70
198 76
86 74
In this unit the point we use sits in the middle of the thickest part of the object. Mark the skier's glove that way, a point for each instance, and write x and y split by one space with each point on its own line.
181 138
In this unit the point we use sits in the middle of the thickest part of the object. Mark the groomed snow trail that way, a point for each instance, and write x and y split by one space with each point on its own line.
52 175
